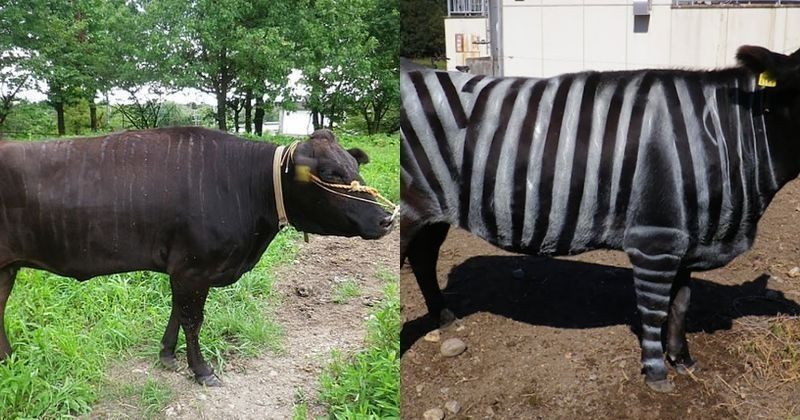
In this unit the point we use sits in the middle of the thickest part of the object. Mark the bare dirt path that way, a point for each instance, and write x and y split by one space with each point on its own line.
268 387
556 338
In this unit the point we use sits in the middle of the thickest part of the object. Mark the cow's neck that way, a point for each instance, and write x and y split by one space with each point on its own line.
784 150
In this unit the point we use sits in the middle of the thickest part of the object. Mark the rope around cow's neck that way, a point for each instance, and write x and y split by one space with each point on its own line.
282 159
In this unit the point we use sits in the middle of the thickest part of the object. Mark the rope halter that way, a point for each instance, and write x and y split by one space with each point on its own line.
303 174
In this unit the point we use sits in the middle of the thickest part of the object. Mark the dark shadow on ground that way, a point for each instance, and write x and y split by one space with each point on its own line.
573 294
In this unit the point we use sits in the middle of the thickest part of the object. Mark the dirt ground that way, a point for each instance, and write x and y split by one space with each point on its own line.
557 339
268 387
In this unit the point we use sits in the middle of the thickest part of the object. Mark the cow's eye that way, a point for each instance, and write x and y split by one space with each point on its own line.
332 175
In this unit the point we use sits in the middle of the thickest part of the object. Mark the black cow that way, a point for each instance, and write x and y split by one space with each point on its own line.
194 203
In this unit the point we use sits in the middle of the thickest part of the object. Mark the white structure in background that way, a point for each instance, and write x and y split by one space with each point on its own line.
543 38
299 121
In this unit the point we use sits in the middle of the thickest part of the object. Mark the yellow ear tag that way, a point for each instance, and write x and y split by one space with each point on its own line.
765 80
302 173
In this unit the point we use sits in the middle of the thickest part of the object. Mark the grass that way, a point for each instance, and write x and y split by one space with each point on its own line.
345 291
367 384
771 349
300 405
65 334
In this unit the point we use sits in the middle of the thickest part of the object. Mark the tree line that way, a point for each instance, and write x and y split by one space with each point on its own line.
239 51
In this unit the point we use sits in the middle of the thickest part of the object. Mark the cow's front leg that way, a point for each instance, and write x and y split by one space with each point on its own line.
170 338
423 253
190 298
655 254
7 276
677 347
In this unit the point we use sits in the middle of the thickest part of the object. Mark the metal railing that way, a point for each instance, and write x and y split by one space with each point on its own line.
724 3
467 7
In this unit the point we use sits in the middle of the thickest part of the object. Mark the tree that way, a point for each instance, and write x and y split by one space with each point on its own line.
422 28
336 42
382 91
228 43
13 78
68 46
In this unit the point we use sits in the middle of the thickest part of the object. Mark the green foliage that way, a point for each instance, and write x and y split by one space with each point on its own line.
29 120
345 291
66 333
349 59
367 384
422 28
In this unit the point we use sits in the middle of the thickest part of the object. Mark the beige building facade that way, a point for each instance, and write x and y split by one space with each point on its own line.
543 38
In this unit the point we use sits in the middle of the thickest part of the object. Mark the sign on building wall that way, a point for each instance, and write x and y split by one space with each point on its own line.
459 42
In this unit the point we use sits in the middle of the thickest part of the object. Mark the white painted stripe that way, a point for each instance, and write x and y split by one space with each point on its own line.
584 232
488 126
535 161
504 183
647 311
563 166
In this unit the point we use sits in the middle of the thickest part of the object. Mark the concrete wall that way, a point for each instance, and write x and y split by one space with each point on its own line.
471 29
548 37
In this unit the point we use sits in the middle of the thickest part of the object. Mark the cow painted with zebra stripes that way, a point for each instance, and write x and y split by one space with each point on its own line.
673 167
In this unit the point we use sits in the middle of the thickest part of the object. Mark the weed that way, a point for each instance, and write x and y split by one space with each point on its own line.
345 291
367 384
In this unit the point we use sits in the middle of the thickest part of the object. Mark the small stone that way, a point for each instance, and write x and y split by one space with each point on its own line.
303 291
452 406
433 336
452 347
201 397
433 414
170 412
568 356
444 390
794 272
593 377
460 327
518 274
776 279
420 387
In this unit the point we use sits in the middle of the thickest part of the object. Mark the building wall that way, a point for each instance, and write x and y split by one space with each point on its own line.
549 37
471 29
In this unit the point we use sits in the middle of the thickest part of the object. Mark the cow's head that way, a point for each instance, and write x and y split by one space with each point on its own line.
314 209
778 102
782 101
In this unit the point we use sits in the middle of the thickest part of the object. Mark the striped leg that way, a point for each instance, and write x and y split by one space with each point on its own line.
423 253
655 254
677 347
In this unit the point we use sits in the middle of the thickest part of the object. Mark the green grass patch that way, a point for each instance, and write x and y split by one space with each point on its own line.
345 291
65 334
367 383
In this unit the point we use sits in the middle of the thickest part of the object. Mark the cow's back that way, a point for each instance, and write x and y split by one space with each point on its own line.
129 200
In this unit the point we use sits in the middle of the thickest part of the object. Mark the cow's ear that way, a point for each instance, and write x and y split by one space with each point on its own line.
360 155
778 67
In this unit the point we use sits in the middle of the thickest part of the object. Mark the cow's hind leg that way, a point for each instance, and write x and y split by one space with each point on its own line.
423 253
170 338
7 277
655 254
190 297
677 347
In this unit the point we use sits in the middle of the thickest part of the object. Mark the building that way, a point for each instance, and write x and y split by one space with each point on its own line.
543 38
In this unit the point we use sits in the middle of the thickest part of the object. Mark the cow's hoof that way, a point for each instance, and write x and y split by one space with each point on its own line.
208 380
446 317
169 362
663 385
687 369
